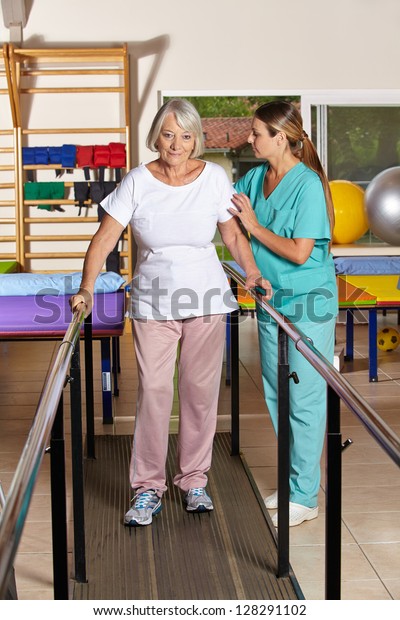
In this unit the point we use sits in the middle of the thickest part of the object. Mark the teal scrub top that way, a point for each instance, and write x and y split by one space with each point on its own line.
295 209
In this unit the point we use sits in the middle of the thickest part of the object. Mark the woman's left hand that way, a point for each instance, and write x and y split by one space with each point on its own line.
84 298
244 211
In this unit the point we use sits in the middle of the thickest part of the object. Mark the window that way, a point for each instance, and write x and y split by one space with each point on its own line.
356 133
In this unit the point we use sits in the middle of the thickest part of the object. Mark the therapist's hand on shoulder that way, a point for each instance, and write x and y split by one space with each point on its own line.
244 212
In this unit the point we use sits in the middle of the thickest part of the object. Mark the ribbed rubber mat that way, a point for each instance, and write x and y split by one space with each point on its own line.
226 554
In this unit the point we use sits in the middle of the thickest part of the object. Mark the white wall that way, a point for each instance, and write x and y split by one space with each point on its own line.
219 45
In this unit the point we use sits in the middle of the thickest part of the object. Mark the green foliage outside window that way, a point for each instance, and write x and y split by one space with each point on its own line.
214 107
362 141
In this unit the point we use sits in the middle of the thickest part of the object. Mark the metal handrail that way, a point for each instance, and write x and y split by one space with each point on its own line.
337 389
19 496
378 428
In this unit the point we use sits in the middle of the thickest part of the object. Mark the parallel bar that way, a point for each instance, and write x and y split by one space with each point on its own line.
341 389
12 586
376 426
384 435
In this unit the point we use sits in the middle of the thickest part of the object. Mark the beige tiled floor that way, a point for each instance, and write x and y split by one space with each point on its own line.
371 482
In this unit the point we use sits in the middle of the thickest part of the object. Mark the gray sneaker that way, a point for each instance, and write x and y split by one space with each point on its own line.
197 500
144 506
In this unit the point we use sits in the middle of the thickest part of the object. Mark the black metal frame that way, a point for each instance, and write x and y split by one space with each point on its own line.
338 388
333 499
58 487
57 451
48 428
59 506
283 454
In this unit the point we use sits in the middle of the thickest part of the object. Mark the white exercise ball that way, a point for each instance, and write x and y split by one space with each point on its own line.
382 205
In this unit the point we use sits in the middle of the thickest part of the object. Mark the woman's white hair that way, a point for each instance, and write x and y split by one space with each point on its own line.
187 118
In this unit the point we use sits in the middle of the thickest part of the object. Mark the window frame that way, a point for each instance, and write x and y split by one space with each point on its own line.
320 99
308 99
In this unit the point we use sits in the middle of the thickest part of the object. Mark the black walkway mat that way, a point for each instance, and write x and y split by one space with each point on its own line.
228 554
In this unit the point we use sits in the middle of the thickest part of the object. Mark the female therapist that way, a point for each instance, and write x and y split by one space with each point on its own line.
286 206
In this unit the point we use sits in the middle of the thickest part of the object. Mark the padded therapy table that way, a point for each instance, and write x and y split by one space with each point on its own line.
38 317
370 293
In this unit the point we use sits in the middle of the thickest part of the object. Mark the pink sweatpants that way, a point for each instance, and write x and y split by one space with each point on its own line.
199 375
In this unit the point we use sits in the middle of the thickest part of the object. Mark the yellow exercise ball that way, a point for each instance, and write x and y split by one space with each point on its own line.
351 221
388 339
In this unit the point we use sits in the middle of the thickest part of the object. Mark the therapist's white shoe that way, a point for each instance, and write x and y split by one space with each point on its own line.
298 514
271 501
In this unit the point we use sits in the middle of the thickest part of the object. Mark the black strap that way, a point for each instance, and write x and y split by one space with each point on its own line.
109 186
81 191
101 173
96 191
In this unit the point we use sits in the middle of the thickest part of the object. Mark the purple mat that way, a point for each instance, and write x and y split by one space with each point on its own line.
50 315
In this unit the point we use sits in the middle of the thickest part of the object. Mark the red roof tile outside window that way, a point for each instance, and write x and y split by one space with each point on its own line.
226 133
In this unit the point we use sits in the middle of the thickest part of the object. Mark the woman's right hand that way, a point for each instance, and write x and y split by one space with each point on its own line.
82 297
263 286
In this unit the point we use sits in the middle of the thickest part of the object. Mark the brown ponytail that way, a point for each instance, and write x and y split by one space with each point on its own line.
310 158
285 117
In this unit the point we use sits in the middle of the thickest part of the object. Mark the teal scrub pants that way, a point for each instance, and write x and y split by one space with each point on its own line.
307 404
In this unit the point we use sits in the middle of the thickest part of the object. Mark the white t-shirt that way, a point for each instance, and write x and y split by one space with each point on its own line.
178 274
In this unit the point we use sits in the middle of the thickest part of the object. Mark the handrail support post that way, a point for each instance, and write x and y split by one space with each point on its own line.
234 366
88 333
77 467
284 377
333 498
59 506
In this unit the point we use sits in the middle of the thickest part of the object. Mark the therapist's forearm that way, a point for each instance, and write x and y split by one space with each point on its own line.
295 250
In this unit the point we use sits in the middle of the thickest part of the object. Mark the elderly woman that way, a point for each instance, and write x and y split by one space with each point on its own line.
180 296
